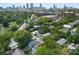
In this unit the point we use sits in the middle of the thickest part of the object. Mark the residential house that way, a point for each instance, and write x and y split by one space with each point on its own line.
13 44
46 34
61 41
33 45
18 52
36 35
71 25
73 31
36 27
24 26
54 17
72 47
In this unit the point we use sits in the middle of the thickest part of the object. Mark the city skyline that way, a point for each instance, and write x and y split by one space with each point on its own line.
47 5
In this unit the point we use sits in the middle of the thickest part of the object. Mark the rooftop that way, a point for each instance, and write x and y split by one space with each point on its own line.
23 26
46 34
72 46
12 43
62 41
18 52
33 43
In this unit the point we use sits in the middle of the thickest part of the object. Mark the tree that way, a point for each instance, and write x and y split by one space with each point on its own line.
44 29
13 26
77 29
76 52
42 20
73 38
5 23
49 47
4 42
23 38
20 20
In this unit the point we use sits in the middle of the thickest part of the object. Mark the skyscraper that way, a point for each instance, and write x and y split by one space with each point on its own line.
27 5
40 5
31 5
13 6
55 9
23 6
65 7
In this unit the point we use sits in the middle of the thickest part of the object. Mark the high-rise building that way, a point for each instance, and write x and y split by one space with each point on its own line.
23 6
13 6
27 5
40 5
55 9
65 7
31 5
19 6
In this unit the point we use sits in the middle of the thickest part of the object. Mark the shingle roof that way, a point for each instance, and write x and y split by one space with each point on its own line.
46 34
74 23
23 26
72 46
12 44
62 41
18 52
33 43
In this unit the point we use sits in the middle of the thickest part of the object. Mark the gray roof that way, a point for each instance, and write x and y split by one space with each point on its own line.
72 24
46 34
36 26
1 25
25 25
62 41
33 43
49 16
36 34
13 44
33 50
18 52
72 46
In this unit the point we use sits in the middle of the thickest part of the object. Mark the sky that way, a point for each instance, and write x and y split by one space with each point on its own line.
47 5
